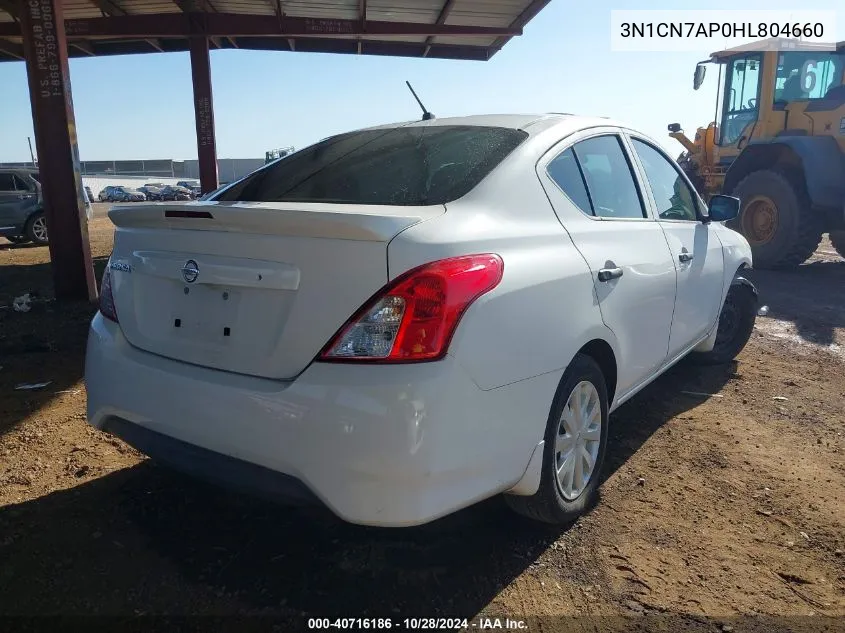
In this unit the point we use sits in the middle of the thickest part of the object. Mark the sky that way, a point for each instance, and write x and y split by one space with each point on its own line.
141 107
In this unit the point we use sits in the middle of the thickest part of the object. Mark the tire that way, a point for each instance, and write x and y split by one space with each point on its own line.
797 230
17 239
36 229
736 322
837 239
549 504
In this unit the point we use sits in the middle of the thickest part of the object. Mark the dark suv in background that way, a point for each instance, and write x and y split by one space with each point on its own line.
21 208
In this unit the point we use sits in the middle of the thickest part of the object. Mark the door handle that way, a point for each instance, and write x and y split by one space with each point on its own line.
606 274
685 257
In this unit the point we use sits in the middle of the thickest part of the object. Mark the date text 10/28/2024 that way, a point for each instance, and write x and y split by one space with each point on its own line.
417 624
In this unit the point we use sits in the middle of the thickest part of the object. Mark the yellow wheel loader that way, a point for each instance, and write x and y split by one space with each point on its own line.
778 144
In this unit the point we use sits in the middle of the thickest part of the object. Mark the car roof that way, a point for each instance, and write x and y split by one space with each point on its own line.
531 123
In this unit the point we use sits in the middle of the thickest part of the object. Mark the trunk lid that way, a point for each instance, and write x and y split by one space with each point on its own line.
254 288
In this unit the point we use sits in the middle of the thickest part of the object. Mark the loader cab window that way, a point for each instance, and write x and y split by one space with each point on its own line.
741 100
803 75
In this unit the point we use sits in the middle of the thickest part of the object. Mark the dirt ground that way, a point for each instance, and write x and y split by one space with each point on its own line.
723 505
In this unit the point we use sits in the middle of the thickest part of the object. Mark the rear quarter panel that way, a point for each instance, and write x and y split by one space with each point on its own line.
543 311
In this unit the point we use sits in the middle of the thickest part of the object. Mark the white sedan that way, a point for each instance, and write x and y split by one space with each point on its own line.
401 321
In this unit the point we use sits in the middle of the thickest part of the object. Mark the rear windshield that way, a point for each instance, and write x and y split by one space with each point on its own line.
415 165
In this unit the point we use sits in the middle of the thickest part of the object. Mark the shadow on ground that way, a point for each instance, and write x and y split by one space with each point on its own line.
47 343
811 296
145 540
681 388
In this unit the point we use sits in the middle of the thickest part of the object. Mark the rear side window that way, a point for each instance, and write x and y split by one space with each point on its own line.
7 182
610 181
566 173
414 165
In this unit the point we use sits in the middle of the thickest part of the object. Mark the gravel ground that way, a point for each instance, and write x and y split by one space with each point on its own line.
723 505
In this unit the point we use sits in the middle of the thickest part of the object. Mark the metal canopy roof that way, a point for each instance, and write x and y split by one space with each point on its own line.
446 29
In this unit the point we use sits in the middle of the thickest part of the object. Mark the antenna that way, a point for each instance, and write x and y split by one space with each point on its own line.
426 114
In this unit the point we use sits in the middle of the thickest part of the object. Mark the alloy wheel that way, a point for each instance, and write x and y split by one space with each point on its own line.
39 228
578 440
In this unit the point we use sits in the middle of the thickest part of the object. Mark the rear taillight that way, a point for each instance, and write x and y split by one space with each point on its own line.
107 307
414 317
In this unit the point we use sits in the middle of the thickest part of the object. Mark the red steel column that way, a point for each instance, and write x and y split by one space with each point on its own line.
204 113
45 49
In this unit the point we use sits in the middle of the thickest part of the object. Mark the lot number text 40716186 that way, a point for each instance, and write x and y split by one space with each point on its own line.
417 624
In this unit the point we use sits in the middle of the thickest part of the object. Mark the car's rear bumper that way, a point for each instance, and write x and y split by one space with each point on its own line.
216 467
388 445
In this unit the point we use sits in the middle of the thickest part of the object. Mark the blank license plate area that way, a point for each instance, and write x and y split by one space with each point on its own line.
205 313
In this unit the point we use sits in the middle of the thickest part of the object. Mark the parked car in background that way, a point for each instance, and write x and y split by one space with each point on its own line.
107 194
117 193
129 194
425 315
170 192
152 192
22 217
191 185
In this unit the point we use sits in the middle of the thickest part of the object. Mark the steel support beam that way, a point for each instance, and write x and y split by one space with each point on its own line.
142 26
204 113
522 19
85 46
45 49
441 19
202 6
279 10
10 7
11 49
111 8
362 15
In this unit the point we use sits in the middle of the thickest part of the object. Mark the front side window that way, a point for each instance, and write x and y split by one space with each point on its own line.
805 75
413 165
20 184
675 200
610 181
741 107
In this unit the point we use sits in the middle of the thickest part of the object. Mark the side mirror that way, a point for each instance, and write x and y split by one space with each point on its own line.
698 78
723 208
674 127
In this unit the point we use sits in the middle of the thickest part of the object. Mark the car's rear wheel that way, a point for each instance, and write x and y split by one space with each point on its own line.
575 444
36 228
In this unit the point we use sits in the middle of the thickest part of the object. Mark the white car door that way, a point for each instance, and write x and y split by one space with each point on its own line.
696 249
591 185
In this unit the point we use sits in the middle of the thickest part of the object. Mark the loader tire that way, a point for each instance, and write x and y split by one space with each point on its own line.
776 219
837 239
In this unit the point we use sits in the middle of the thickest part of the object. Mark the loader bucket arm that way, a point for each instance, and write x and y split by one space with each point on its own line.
683 140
